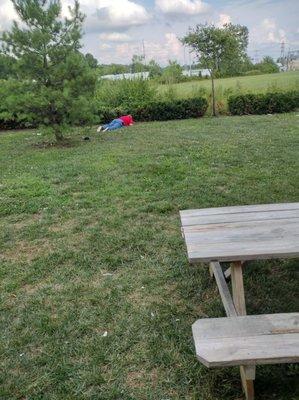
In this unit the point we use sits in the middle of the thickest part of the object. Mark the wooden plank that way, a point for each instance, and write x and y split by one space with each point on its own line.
223 290
249 372
243 240
253 350
246 326
239 217
247 340
240 209
240 231
227 273
247 381
243 251
238 288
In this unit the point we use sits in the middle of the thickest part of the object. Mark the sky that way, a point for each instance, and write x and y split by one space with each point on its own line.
114 30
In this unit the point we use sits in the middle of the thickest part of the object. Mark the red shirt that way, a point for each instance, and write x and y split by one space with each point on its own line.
127 120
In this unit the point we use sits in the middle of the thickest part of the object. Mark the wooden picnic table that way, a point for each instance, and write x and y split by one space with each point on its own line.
237 234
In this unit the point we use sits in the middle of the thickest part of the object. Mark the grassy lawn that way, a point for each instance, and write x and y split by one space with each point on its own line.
243 84
97 297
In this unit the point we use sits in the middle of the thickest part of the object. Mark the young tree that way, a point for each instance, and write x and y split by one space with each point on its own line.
137 64
91 60
154 69
45 48
172 73
217 47
267 66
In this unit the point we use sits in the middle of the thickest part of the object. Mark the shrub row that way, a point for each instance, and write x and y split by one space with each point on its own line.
160 110
267 103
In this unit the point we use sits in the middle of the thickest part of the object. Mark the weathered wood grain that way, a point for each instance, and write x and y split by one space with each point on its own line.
247 340
242 233
238 288
226 298
238 217
238 209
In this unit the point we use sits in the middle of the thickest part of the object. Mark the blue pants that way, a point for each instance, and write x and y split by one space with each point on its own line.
115 124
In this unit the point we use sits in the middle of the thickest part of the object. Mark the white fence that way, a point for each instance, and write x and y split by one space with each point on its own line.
145 74
137 75
196 72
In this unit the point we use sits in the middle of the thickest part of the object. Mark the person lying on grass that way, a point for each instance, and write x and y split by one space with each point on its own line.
125 120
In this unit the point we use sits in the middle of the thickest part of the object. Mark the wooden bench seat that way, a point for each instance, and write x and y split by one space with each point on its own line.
247 340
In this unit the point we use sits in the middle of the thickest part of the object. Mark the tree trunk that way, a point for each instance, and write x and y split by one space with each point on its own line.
213 96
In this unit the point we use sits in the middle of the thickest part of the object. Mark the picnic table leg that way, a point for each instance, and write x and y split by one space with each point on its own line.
247 372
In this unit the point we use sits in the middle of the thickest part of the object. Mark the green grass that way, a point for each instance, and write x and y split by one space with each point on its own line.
257 84
90 239
229 86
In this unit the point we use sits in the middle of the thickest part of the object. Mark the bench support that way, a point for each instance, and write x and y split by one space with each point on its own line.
227 273
233 307
247 372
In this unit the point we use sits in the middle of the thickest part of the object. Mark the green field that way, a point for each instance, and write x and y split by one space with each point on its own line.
97 297
243 84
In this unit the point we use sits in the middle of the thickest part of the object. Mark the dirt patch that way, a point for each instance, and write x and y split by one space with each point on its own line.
143 297
27 251
27 221
135 379
49 144
21 221
32 289
139 379
65 226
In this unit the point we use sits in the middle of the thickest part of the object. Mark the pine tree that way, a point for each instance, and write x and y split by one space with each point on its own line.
46 50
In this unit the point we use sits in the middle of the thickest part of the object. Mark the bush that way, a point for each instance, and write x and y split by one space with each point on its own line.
25 104
18 107
267 103
252 72
160 110
124 93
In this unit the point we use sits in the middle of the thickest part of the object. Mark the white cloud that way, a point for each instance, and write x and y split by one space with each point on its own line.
169 48
7 14
105 46
113 14
179 7
223 19
268 23
173 44
115 37
103 15
268 32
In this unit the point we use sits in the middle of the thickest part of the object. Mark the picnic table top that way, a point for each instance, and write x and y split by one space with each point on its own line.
241 233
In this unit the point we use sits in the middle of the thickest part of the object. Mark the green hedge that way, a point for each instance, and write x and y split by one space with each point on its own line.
160 110
267 103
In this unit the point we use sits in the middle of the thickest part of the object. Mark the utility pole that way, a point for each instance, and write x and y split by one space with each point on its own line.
282 53
143 52
289 60
282 49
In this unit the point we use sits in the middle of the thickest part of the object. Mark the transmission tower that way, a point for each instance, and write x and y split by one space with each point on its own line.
282 53
282 49
143 52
